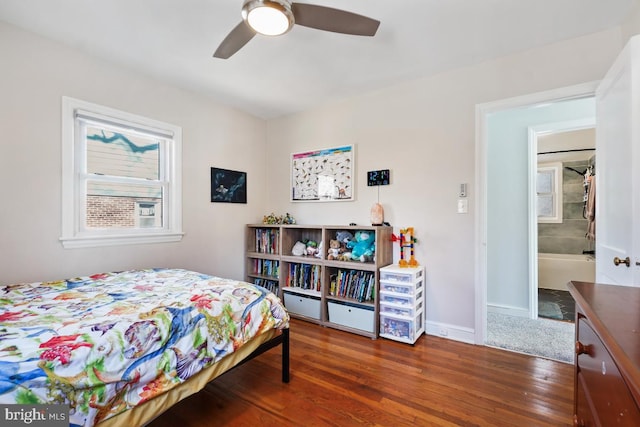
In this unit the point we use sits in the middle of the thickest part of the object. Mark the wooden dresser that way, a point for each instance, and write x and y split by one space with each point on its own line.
607 364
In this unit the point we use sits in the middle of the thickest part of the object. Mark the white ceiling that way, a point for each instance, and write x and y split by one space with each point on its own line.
173 40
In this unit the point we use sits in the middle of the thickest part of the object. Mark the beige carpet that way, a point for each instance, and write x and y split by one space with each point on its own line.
551 339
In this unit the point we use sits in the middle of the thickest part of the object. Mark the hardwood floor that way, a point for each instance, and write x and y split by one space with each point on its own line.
340 379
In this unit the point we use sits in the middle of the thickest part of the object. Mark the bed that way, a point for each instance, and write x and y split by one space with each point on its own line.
121 347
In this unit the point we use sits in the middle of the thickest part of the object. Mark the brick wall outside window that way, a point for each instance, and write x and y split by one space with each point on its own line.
110 212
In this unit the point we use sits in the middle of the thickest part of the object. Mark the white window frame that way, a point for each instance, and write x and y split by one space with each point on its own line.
556 193
74 235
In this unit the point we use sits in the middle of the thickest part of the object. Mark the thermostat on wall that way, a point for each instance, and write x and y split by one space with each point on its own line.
380 177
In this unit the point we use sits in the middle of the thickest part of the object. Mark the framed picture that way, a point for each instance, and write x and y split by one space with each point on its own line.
228 186
323 175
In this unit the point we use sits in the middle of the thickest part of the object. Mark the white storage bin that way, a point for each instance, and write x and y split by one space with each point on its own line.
400 299
402 303
394 273
401 310
305 305
401 328
352 316
400 288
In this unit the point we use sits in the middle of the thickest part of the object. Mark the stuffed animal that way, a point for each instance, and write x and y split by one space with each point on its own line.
312 247
299 249
362 246
320 250
345 256
344 237
334 249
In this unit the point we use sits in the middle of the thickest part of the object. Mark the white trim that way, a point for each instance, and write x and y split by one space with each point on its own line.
72 234
507 310
452 332
555 169
84 242
534 133
482 111
532 223
142 123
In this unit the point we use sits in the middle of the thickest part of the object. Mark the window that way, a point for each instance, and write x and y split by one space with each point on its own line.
121 177
549 192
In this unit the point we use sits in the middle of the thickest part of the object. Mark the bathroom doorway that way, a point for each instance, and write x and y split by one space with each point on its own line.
564 166
507 238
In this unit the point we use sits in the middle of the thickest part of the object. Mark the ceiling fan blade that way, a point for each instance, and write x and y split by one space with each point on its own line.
236 39
335 20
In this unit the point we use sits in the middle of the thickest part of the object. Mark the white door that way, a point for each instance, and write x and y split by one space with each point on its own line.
617 185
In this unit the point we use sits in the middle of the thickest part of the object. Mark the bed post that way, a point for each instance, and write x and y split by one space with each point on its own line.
285 355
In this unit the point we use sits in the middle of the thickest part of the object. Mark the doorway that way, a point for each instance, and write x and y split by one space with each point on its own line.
561 160
504 239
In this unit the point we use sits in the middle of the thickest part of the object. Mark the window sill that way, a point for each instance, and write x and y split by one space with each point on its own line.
98 241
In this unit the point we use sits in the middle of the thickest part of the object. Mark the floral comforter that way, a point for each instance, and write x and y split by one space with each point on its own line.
105 343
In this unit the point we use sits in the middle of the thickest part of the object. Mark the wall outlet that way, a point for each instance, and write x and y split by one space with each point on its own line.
443 332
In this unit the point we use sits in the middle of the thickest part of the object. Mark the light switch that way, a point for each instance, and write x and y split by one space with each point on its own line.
463 206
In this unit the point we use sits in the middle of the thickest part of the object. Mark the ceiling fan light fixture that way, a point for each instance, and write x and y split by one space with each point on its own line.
268 17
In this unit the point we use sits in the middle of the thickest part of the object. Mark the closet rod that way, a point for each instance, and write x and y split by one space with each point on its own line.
568 151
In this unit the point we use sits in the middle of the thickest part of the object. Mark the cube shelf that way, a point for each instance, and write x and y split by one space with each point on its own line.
341 294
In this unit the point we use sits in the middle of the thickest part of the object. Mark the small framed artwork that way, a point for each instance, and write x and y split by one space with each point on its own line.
228 186
323 175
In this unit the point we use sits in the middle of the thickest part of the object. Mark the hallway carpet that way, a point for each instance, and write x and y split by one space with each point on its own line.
546 338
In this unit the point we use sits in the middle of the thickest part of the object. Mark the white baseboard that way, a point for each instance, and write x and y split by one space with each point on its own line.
508 310
452 332
467 335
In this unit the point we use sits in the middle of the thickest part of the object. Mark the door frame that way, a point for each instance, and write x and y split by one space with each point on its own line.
534 133
482 113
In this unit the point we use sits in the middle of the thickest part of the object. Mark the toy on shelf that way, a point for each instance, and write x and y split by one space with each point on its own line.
362 246
407 241
282 219
307 247
335 249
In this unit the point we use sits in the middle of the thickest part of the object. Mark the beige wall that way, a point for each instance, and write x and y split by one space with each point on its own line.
424 132
631 26
34 75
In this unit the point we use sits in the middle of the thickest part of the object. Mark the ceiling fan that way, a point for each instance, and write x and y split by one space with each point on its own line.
276 17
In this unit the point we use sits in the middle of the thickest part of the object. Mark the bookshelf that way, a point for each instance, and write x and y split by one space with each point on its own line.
332 293
263 257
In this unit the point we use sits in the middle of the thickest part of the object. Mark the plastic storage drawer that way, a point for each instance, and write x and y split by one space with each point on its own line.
400 327
400 299
400 288
401 310
401 274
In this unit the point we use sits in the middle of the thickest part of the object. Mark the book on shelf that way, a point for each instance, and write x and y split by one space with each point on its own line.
266 267
267 240
354 284
270 285
304 276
